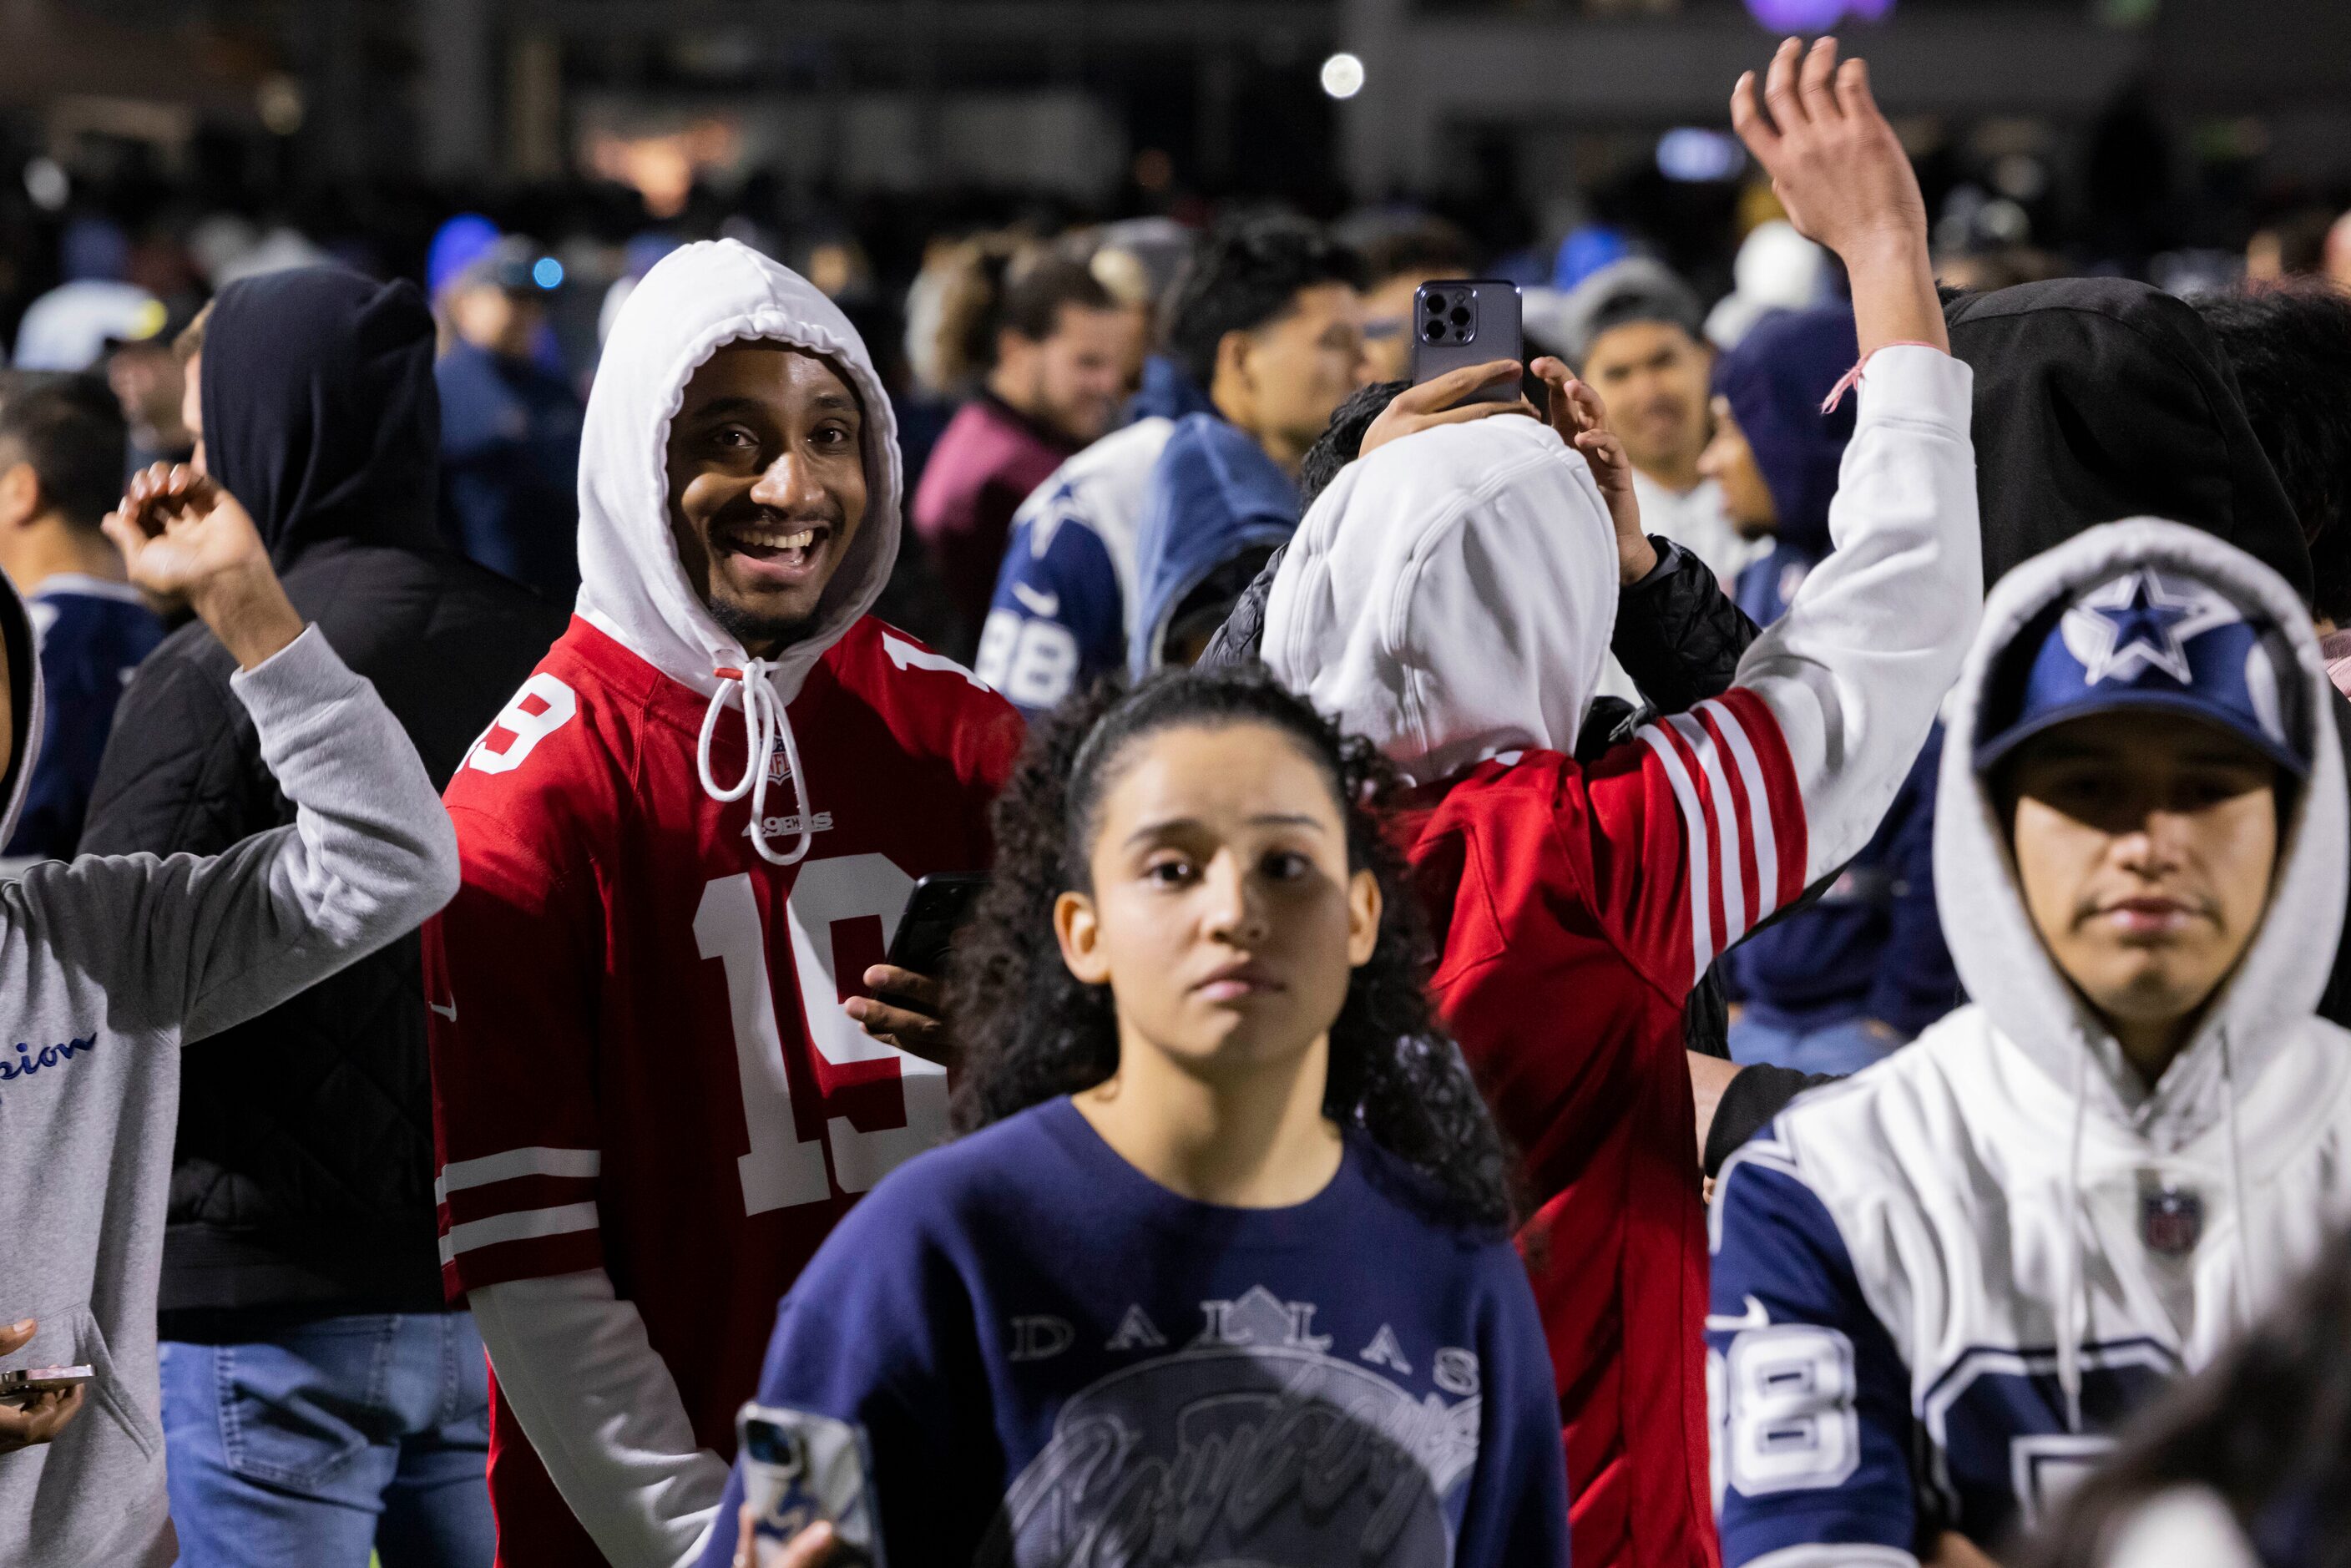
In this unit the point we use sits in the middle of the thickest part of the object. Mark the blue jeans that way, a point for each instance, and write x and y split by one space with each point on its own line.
332 1438
1839 1048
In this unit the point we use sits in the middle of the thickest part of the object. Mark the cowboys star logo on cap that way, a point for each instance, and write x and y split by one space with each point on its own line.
2138 623
2154 639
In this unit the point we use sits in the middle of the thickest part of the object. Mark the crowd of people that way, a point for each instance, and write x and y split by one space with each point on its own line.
1723 946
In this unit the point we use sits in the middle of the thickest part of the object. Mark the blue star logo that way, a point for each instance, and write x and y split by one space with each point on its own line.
2138 623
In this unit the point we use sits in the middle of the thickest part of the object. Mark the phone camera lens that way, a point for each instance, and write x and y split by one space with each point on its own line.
1460 316
1436 332
1437 305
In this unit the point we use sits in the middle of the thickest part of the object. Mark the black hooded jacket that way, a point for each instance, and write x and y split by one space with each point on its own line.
2101 398
302 1182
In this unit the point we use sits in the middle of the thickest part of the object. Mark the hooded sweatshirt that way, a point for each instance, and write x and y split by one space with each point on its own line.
678 859
303 1164
107 965
1213 497
1450 597
2099 398
1997 1242
1870 947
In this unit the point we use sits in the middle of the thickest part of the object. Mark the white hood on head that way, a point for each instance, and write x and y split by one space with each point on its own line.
1451 596
694 301
2000 956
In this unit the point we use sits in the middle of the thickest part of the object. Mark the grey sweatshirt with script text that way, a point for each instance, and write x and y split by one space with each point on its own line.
107 965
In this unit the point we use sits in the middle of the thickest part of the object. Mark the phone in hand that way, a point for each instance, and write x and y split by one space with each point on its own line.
936 911
1468 322
799 1467
27 1383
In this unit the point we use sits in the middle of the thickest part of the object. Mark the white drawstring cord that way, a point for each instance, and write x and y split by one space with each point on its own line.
764 724
2240 1196
2075 1281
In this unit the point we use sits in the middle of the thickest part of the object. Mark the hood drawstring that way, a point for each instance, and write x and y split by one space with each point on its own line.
2072 1288
765 723
2240 1196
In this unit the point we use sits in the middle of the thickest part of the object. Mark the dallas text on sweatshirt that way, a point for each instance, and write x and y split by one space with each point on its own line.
1053 1354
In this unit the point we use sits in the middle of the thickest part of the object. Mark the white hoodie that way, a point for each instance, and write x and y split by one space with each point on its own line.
1994 1190
598 1404
696 301
1452 595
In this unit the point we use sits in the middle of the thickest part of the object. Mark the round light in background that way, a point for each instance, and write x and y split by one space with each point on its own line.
47 184
1342 75
547 272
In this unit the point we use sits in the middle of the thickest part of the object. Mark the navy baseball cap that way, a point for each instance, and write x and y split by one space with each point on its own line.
2159 641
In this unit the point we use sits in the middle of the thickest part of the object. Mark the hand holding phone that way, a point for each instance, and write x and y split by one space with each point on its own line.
1458 323
35 1403
909 1000
801 1469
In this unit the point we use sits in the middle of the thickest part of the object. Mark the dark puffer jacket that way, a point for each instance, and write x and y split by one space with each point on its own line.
302 1183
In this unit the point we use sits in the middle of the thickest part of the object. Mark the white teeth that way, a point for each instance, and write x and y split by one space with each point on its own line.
769 538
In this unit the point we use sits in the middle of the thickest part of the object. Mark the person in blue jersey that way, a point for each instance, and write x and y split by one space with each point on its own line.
1221 1266
61 452
1833 986
1262 340
1939 1283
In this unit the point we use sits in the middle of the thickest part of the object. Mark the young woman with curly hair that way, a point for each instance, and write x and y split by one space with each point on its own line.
1219 1271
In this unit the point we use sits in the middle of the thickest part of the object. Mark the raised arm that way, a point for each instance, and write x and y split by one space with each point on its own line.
199 944
1853 672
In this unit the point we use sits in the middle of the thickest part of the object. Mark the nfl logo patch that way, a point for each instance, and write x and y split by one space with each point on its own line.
779 766
2170 1219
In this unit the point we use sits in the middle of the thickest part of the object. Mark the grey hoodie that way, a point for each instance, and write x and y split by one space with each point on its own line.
108 965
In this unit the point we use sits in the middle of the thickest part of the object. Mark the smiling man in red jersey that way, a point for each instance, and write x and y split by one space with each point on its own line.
686 841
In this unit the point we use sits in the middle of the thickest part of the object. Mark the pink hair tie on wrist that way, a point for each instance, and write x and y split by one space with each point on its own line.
1852 378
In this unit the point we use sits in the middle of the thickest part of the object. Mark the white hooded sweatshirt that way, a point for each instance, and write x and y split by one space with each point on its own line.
2000 1237
598 1404
1452 595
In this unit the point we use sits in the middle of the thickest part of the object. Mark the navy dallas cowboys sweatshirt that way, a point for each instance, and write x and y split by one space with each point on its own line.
1056 1359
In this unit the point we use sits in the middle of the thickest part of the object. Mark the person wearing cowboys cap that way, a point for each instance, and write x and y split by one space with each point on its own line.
1938 1284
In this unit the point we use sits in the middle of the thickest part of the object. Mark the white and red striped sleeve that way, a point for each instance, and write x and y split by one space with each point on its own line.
1708 821
1693 832
1742 819
510 982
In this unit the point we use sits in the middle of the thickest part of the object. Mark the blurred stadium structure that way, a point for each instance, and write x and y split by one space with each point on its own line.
2142 135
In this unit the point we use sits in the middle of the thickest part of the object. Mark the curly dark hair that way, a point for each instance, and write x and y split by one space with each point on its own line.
2268 1427
1032 1031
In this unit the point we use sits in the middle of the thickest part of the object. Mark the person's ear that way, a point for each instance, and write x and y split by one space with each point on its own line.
1079 930
20 496
1013 351
1364 907
1234 370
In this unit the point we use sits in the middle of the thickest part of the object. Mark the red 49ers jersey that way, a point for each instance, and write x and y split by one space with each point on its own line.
1579 906
640 1061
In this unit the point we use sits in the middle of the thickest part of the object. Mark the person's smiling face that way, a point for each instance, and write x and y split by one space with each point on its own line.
767 487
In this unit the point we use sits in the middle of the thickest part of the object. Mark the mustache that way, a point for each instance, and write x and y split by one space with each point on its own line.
750 514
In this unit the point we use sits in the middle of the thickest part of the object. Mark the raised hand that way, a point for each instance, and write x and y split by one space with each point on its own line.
182 536
1437 401
1576 411
1840 171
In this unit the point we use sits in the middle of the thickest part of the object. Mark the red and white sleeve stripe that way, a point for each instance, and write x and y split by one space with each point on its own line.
1742 816
517 1213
